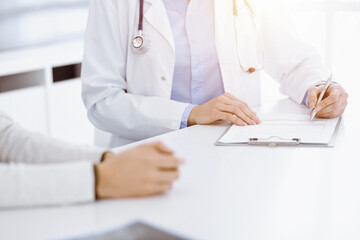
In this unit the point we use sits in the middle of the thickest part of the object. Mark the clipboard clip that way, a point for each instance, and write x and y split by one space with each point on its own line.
274 141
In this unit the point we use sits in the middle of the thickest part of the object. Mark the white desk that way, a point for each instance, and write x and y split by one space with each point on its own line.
229 193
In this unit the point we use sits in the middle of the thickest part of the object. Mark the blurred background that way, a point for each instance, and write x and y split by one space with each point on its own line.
41 47
25 23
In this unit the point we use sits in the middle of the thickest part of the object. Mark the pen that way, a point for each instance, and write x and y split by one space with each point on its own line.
327 84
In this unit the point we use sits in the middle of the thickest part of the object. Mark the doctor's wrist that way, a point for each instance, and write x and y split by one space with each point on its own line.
192 117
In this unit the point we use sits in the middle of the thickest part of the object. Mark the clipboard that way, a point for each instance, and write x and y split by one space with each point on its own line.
279 141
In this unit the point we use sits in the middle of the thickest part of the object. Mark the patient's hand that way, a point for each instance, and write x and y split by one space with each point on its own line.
145 170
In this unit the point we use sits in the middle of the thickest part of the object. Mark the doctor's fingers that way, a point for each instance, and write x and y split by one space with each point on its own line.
234 101
231 118
244 107
313 95
333 110
332 97
235 110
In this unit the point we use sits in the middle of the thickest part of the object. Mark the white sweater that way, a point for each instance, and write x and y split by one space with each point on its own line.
37 170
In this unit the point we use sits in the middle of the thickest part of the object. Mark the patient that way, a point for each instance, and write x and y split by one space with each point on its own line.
37 170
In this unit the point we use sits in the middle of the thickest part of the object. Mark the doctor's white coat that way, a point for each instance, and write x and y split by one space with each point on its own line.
128 94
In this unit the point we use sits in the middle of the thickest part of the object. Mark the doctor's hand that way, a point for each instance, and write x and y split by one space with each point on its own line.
333 104
225 107
145 170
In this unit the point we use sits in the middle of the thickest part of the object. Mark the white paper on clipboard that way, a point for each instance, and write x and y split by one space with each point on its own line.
283 129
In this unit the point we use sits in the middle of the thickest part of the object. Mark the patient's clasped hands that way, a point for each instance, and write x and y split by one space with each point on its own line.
145 170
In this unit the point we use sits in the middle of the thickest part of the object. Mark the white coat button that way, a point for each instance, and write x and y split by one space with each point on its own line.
163 78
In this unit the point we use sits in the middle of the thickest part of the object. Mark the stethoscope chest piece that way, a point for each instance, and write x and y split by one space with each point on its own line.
140 43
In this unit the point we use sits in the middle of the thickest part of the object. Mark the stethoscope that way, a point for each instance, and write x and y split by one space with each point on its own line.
260 63
141 44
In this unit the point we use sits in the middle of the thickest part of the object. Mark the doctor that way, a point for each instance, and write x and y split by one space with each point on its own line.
153 66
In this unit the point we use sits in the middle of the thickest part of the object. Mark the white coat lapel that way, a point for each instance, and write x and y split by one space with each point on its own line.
223 18
224 40
156 15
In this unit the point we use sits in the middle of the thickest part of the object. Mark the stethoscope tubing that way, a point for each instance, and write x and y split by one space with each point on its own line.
252 14
235 14
141 15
